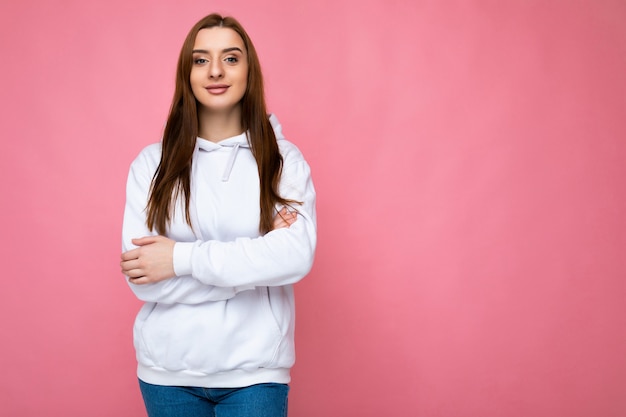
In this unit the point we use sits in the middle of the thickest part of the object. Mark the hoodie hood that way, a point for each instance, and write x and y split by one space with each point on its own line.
278 129
236 142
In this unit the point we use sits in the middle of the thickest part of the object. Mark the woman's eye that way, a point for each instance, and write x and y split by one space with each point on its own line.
232 60
200 61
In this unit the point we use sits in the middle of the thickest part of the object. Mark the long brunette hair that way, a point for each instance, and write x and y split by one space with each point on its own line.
172 178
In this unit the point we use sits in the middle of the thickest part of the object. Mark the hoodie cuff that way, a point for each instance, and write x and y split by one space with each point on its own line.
182 258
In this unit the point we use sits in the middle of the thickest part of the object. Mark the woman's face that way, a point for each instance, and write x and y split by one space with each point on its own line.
219 74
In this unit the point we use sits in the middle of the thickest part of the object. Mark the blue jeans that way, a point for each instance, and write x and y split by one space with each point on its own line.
261 400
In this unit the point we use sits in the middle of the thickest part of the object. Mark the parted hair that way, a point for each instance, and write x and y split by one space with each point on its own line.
171 180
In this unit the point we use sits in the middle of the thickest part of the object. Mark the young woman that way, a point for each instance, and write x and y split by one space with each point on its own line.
219 223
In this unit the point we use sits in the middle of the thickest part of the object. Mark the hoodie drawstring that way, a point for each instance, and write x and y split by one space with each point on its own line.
231 162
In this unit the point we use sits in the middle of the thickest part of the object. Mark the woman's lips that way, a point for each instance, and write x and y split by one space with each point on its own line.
217 89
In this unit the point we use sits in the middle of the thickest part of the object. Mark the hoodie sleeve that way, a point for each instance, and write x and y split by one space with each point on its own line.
184 289
280 257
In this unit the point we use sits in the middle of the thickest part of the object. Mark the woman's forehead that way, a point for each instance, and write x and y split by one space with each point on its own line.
218 39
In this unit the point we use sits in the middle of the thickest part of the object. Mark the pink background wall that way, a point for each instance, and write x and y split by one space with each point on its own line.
470 160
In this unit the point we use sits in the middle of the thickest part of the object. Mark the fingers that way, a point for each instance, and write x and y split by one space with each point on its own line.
287 216
142 241
146 240
284 218
130 255
150 262
279 223
131 267
140 279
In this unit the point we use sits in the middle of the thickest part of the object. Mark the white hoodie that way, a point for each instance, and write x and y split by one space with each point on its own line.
227 318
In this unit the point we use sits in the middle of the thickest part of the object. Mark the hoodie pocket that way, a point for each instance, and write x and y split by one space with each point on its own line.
280 307
141 347
239 333
275 326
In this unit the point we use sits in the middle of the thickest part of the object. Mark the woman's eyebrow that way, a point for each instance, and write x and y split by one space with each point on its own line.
204 51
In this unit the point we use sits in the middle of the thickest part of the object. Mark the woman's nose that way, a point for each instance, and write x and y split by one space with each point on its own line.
216 70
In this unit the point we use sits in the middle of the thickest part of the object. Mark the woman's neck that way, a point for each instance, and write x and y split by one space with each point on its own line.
214 126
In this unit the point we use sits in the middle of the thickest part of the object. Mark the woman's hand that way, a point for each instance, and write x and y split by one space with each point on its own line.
151 262
284 218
